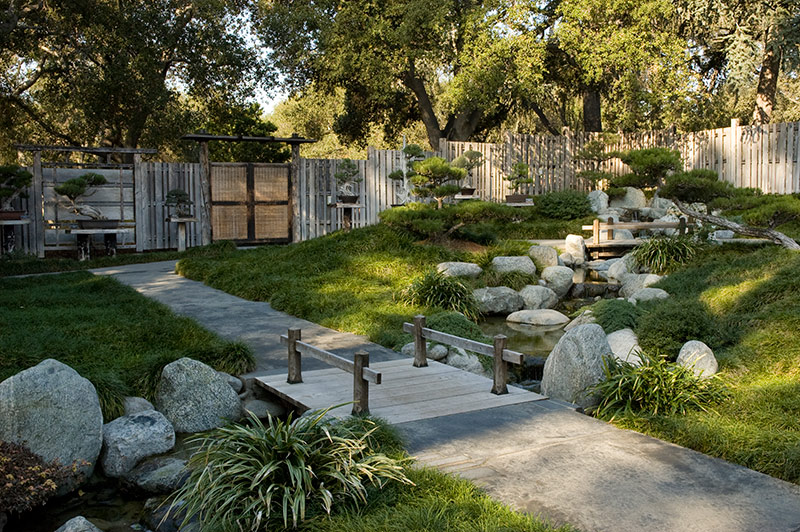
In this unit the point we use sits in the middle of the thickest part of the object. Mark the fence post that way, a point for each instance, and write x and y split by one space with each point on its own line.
360 385
610 235
295 362
596 231
500 367
420 348
682 226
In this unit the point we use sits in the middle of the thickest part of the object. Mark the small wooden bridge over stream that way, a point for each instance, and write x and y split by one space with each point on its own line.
403 390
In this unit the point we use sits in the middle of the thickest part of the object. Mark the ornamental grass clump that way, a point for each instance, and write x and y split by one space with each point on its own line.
436 290
258 477
666 254
656 387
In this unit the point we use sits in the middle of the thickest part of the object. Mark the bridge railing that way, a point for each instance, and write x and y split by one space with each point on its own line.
359 367
501 356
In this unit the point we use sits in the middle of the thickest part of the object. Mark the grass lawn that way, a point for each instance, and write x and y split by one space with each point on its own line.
20 264
107 332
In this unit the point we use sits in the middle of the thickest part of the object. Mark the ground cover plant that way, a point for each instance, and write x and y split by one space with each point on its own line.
745 304
107 332
663 255
22 264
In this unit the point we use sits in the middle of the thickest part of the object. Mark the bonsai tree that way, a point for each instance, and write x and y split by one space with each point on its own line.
178 199
595 152
469 160
412 153
77 187
432 177
346 177
520 175
650 166
704 186
13 182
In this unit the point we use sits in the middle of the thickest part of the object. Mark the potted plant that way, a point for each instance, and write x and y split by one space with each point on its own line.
178 201
469 160
14 180
346 178
77 187
520 175
412 153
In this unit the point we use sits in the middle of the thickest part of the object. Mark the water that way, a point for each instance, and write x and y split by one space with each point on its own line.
527 339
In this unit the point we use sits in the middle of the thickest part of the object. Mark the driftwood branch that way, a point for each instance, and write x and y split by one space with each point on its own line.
747 230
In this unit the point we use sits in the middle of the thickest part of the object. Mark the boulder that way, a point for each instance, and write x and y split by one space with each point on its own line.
576 363
565 259
651 213
168 516
698 357
668 218
558 279
459 269
635 282
434 351
633 199
648 294
661 203
78 524
625 346
583 318
601 265
722 234
575 246
129 439
543 256
598 200
622 234
54 412
160 475
536 297
458 358
194 398
498 299
134 405
263 409
621 268
538 317
233 382
514 264
614 214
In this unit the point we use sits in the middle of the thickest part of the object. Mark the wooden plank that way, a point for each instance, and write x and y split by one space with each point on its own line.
38 204
139 202
796 159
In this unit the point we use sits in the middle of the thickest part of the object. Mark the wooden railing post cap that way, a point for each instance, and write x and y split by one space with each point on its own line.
500 337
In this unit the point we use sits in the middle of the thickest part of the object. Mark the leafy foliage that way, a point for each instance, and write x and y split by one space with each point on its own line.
28 481
650 166
13 182
563 205
436 290
431 178
696 185
615 314
347 176
671 323
655 387
77 186
256 476
520 175
664 254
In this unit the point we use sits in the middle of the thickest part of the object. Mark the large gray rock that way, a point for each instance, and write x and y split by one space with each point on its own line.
635 282
433 351
584 318
543 256
536 297
575 245
648 294
54 412
565 259
129 439
514 264
633 199
576 363
134 405
661 203
598 200
698 357
558 279
194 398
625 346
458 358
667 218
623 234
459 269
158 475
78 524
263 409
233 382
538 317
498 300
621 268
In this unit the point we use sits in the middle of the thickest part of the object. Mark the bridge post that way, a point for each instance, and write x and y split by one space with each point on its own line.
295 362
360 385
500 366
420 348
596 231
610 235
682 226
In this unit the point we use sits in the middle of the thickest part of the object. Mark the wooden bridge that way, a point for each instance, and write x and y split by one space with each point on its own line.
403 390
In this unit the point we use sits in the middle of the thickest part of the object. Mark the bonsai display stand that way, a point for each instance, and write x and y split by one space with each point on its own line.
347 213
181 229
8 238
109 240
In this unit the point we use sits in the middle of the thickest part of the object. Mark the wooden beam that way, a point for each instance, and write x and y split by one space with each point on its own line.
331 359
469 345
96 150
360 384
295 361
205 189
420 346
294 195
500 377
200 137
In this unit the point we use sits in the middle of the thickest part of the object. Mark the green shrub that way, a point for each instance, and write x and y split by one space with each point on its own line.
436 290
484 233
668 324
253 477
456 324
695 185
616 192
563 205
655 387
664 254
615 314
514 280
650 166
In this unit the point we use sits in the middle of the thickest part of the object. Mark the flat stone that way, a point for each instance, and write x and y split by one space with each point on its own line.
648 294
538 297
498 300
538 317
514 264
625 346
698 357
129 439
459 269
558 279
543 256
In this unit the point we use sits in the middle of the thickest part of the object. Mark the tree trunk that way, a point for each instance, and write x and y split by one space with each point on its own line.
767 83
758 232
432 128
591 111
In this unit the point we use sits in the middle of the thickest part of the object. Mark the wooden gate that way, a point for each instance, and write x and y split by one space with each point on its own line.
250 203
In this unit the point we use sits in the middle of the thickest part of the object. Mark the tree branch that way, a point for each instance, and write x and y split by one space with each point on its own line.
412 82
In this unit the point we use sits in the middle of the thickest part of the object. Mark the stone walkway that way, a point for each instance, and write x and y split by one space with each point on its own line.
539 457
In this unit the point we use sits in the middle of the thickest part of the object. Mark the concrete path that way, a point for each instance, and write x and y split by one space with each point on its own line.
539 457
